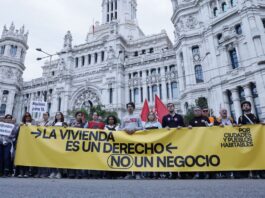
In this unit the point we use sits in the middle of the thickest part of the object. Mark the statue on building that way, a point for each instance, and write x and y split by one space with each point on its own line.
68 40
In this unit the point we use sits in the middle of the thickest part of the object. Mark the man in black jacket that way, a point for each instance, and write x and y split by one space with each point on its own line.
172 120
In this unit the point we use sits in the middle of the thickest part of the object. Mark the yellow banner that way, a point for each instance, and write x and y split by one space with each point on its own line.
198 149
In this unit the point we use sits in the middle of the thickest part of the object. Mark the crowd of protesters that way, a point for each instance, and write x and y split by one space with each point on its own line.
130 123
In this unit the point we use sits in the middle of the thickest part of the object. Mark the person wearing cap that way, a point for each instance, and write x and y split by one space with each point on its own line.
245 119
172 120
199 119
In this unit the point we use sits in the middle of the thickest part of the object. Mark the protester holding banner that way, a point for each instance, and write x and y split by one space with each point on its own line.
46 121
112 123
224 120
24 171
130 124
44 172
172 120
96 123
77 123
206 113
58 122
8 132
199 120
152 122
248 118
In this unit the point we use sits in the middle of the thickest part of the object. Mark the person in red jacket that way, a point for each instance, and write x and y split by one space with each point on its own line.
96 123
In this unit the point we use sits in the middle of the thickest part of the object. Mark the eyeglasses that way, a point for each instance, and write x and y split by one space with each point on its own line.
205 111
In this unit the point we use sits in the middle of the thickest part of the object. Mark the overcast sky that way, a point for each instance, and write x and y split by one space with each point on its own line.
49 20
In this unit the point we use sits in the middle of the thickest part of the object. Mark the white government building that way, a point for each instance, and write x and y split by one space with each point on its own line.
218 53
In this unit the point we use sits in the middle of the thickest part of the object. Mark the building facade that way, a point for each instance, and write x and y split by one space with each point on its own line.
218 53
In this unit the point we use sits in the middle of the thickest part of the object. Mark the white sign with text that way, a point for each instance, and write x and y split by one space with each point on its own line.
6 129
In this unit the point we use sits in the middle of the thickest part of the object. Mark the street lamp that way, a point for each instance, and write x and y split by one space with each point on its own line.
50 63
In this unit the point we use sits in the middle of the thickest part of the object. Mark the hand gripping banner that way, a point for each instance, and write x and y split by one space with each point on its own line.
197 149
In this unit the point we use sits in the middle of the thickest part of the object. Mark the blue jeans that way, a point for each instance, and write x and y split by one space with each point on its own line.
5 158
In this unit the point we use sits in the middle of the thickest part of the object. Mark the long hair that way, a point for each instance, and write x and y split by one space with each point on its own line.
27 114
114 118
62 117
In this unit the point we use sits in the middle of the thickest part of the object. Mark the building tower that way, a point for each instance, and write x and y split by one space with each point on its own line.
119 10
13 48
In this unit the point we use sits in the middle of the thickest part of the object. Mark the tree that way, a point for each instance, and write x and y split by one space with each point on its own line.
201 102
189 115
100 109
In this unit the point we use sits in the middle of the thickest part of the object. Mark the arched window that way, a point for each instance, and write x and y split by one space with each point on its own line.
219 37
233 3
195 50
153 72
215 10
154 91
224 6
199 74
136 96
233 58
111 95
5 92
172 68
174 90
96 57
13 50
238 29
263 22
2 50
3 110
135 74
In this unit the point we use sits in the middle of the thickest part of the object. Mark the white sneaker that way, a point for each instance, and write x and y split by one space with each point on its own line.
52 175
138 176
58 176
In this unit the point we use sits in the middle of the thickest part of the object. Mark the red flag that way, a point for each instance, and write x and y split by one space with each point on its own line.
145 111
161 109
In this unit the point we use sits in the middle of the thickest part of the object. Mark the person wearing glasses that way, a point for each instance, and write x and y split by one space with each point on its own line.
25 171
206 113
172 120
58 122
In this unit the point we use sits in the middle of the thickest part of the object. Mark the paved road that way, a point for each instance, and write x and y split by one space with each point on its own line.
124 188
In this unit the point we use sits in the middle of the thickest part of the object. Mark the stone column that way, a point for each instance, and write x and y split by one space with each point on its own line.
10 102
236 100
1 96
144 85
226 102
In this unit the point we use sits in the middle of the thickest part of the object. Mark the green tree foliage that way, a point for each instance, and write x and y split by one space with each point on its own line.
100 109
201 102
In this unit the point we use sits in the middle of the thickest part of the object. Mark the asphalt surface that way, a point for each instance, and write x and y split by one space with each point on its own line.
130 188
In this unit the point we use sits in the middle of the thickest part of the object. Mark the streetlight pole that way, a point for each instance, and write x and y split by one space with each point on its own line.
45 94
